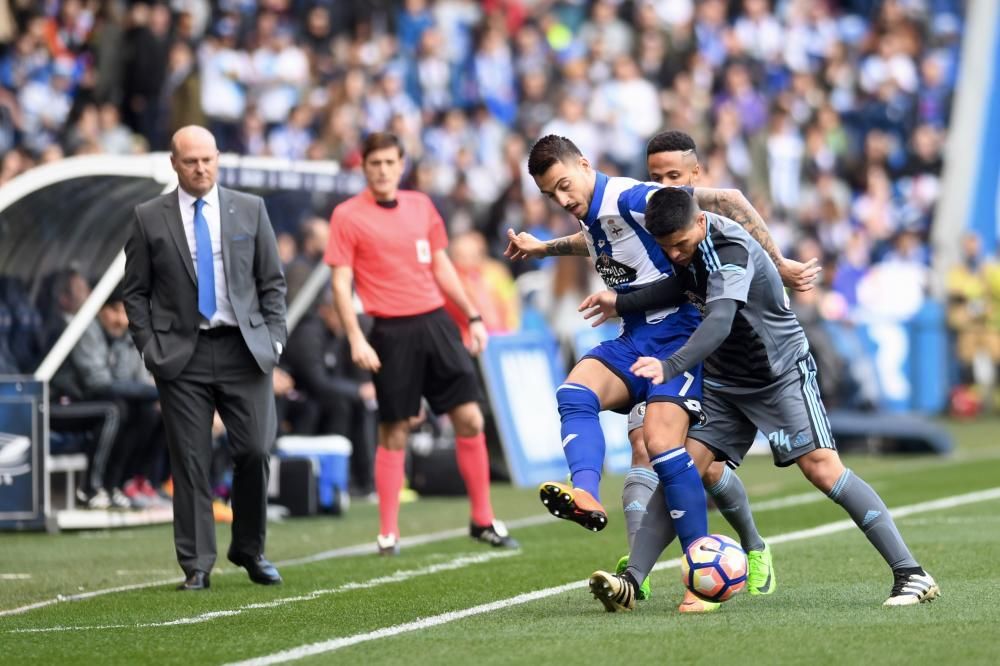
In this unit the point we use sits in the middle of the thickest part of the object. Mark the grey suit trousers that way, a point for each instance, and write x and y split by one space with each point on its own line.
222 375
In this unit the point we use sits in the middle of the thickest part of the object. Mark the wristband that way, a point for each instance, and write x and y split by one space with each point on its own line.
473 319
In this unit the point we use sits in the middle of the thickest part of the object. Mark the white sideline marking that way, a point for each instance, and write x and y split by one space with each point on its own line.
952 520
416 540
365 549
398 577
333 644
346 551
395 630
15 576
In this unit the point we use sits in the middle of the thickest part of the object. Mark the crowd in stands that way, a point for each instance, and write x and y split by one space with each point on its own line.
829 114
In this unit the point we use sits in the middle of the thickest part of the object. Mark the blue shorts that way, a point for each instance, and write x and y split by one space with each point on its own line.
659 341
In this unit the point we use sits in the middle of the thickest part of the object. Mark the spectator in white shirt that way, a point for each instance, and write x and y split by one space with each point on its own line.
280 75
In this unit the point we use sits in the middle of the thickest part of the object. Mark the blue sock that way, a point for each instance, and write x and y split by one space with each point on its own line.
582 437
684 494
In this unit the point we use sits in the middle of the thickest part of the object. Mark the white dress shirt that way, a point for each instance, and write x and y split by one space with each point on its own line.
224 315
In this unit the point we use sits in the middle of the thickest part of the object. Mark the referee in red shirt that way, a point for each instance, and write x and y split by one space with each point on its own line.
392 245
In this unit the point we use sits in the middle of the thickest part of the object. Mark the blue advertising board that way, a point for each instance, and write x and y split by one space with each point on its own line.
909 359
522 373
618 454
22 455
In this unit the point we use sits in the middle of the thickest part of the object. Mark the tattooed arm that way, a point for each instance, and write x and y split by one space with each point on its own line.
526 246
734 205
574 245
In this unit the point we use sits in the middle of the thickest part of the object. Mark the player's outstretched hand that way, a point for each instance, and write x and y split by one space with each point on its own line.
650 368
364 356
477 337
523 246
799 276
599 306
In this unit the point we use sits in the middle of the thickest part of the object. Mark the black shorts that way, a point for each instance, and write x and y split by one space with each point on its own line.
422 355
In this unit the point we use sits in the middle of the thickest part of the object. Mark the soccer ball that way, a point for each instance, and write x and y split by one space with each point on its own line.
714 568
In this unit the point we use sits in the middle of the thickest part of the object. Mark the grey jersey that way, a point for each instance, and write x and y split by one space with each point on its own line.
766 339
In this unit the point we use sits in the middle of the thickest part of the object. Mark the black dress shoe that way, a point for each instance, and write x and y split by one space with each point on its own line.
260 570
197 580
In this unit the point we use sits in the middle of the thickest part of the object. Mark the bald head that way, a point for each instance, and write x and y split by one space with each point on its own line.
192 136
195 158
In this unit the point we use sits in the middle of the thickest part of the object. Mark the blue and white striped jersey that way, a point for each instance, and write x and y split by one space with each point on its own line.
625 255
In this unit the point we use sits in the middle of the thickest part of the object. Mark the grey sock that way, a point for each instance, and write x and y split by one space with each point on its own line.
655 533
640 484
870 513
731 498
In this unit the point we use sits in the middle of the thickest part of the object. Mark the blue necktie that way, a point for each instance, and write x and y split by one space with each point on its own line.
206 265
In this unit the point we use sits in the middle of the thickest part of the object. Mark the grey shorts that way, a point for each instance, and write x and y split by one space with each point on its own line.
788 411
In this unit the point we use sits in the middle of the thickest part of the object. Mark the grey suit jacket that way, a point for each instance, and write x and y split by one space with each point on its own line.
161 293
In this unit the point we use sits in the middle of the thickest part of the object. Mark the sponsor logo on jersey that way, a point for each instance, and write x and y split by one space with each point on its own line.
614 273
696 300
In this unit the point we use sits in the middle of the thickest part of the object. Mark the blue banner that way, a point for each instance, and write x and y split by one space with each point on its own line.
618 456
909 359
521 373
984 214
22 456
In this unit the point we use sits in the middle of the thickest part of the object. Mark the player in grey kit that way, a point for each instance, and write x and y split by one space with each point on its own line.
759 373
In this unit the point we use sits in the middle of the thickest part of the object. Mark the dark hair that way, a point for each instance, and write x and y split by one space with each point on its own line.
116 296
669 142
548 150
378 141
670 209
62 282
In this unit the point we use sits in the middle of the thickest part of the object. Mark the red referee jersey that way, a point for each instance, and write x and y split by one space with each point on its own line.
390 251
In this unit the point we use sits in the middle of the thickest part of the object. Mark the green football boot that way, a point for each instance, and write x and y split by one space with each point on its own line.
760 571
644 592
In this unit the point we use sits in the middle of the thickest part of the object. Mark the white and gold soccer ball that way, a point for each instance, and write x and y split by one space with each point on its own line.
714 568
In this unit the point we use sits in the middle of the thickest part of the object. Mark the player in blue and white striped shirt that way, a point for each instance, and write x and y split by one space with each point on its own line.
611 212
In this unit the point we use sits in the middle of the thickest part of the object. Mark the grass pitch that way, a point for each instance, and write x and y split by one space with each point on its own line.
452 601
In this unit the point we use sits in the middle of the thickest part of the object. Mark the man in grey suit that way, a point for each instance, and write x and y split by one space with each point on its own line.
205 298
